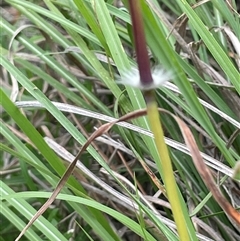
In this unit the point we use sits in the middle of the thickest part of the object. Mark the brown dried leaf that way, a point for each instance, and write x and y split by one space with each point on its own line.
202 168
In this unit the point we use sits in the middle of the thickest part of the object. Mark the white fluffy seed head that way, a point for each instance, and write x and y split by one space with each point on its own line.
132 78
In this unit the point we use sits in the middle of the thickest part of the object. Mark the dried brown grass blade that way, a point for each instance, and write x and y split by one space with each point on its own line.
202 168
204 171
64 178
104 128
233 215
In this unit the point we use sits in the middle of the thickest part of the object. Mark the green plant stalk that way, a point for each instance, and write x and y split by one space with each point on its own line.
146 80
169 180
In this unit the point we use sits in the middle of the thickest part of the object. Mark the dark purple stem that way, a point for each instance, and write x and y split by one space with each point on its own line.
140 43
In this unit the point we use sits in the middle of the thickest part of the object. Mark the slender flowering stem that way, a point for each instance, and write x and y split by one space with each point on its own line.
146 79
140 43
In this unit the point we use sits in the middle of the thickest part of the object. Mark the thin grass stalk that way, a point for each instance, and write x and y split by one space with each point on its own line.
146 80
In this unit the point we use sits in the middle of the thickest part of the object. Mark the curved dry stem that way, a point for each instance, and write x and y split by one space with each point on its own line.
204 171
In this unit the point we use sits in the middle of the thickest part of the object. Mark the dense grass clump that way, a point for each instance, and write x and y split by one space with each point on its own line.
70 93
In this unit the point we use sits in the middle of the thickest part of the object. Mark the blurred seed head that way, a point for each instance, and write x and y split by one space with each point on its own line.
132 78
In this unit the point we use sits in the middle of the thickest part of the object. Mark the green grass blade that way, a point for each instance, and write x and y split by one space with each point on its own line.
28 211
